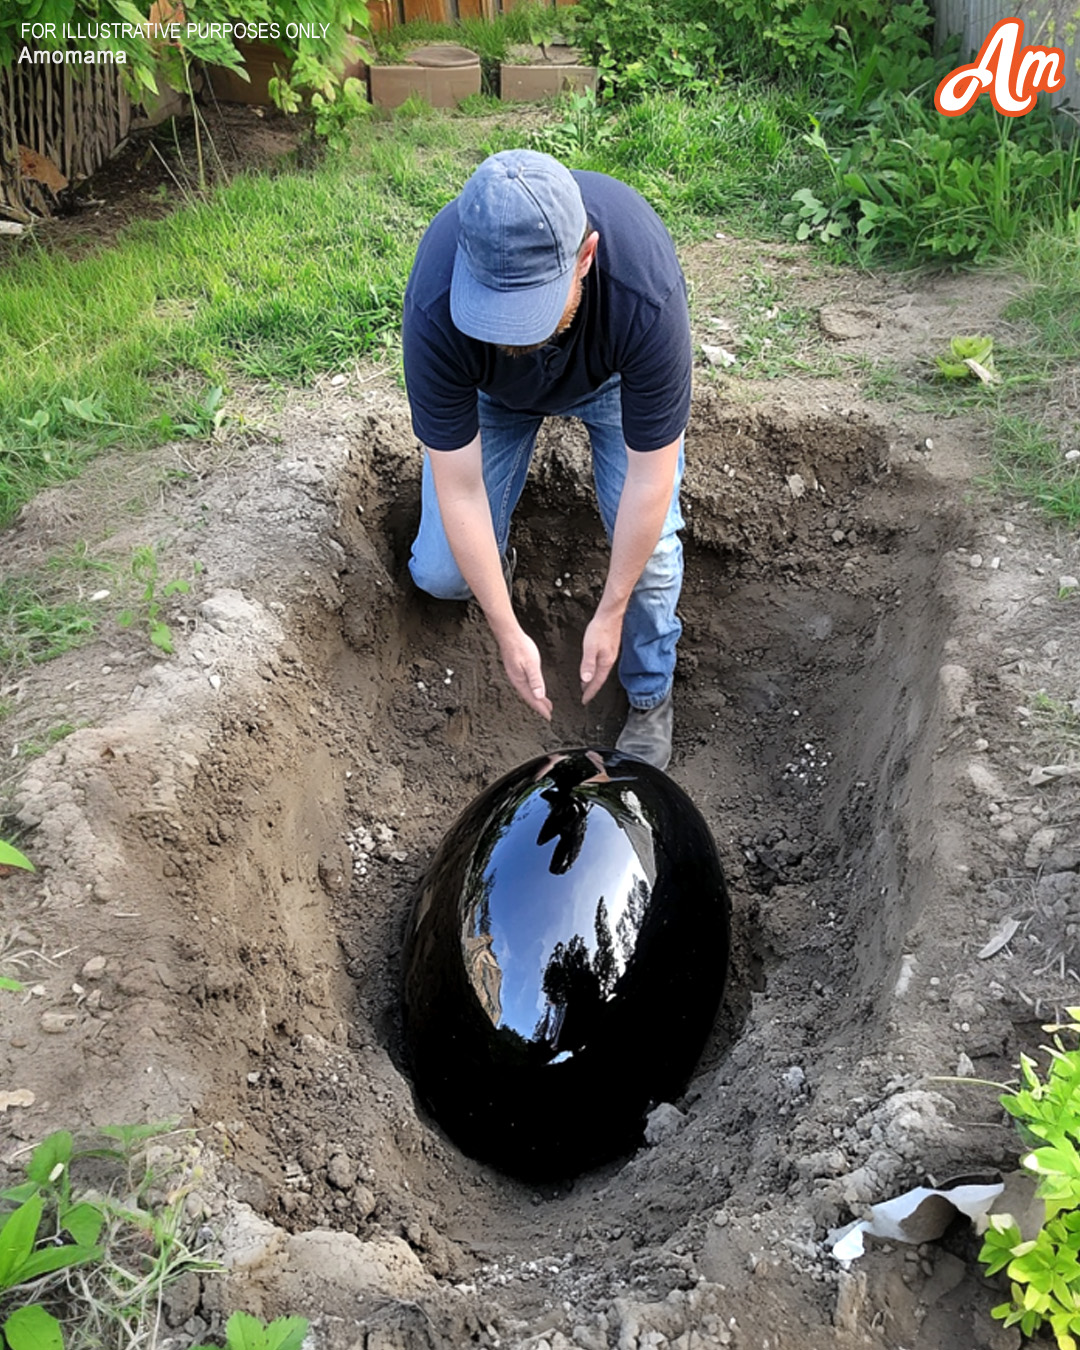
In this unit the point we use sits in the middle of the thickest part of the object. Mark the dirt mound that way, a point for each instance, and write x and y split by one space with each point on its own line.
232 837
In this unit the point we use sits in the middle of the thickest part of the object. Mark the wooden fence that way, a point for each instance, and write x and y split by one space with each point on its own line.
74 116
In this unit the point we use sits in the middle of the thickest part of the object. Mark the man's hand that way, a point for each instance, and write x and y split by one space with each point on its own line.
521 658
599 650
466 517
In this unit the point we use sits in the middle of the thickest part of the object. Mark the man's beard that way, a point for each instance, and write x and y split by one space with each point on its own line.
567 319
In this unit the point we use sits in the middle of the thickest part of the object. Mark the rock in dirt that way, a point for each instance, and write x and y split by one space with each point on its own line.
57 1022
180 1298
387 1266
94 968
363 1203
230 613
341 1171
663 1123
954 681
844 322
1058 892
1043 851
249 1241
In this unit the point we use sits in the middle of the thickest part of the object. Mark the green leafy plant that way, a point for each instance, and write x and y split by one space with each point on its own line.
1044 1271
336 114
638 47
11 857
904 181
207 415
28 1238
145 570
584 128
244 1332
95 1260
961 351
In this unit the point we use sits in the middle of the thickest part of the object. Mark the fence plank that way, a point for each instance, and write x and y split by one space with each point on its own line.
74 119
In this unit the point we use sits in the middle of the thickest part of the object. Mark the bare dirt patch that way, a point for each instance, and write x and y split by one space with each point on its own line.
232 837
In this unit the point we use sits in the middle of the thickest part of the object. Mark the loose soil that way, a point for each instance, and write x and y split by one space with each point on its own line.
229 841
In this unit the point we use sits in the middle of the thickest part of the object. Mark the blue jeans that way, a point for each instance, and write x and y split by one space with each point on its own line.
651 627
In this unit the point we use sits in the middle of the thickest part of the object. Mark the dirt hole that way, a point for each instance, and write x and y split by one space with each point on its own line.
806 713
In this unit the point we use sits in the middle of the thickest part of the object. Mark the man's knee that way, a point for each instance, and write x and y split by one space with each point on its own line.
445 583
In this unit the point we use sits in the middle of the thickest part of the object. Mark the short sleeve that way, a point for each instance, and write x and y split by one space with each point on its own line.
656 371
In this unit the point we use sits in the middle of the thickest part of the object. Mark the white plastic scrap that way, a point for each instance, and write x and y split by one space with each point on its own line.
919 1215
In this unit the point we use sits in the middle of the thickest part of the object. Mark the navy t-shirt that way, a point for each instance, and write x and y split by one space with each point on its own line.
633 321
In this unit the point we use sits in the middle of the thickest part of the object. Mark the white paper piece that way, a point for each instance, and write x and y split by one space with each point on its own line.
20 1097
718 356
1001 938
1047 773
919 1215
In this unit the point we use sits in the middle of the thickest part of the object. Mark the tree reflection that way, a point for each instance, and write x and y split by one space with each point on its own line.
583 970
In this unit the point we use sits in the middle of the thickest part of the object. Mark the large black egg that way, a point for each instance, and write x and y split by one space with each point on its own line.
564 962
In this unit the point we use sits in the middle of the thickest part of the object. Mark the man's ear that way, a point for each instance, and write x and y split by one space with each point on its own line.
587 253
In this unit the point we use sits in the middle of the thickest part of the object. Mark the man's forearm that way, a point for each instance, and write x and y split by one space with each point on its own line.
466 517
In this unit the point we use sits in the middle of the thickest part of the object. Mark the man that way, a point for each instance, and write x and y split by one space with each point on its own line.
536 292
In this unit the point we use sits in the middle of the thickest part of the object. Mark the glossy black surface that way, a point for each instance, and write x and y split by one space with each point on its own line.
564 962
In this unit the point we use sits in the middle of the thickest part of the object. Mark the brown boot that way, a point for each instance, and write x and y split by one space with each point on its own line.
647 733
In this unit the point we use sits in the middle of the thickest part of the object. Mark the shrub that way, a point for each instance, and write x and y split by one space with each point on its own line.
911 183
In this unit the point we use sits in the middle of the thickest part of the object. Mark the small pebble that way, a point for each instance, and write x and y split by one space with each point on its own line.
976 560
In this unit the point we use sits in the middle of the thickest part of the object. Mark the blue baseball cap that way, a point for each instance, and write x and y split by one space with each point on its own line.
521 221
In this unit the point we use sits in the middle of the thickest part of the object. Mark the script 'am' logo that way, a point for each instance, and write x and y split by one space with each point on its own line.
1011 73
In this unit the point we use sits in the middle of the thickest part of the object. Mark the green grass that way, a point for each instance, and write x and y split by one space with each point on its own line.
730 157
32 749
278 277
490 39
36 625
283 277
1051 306
1028 460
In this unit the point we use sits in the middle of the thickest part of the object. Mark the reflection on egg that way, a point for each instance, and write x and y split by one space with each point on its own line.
564 962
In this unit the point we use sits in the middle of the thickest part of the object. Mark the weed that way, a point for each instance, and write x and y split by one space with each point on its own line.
94 1261
906 182
244 1332
35 627
968 356
145 572
584 130
31 749
1044 1272
11 857
206 415
1055 724
1028 460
